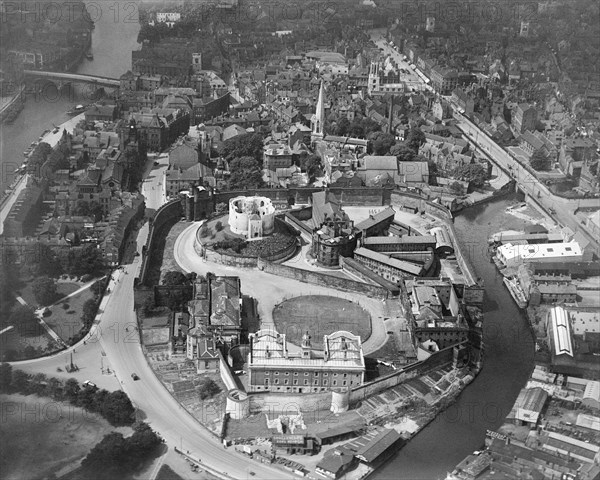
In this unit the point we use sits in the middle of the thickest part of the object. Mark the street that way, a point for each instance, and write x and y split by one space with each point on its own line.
117 336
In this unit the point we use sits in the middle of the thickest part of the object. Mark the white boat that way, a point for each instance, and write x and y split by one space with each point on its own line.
516 292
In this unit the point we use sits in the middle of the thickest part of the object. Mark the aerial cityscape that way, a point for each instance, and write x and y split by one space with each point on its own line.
340 239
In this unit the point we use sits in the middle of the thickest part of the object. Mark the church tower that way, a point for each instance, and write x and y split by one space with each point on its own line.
318 119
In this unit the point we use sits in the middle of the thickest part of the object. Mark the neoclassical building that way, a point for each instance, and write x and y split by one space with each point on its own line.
271 367
253 217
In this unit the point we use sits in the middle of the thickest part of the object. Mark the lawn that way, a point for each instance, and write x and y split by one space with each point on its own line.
66 322
63 288
167 473
320 315
43 436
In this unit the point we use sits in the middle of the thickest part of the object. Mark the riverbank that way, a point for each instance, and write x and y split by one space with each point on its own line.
20 183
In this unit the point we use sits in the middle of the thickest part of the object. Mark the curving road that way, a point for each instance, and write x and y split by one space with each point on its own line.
115 334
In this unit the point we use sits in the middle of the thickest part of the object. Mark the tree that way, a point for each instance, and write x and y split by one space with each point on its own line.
456 188
72 389
87 259
221 208
208 389
403 153
89 209
44 290
245 173
6 375
382 142
174 278
118 409
89 310
474 173
7 285
247 145
539 161
20 381
415 139
25 321
219 226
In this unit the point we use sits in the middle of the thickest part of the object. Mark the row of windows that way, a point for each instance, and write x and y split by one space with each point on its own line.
306 374
334 383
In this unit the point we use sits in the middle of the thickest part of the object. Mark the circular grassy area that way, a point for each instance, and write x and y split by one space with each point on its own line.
320 315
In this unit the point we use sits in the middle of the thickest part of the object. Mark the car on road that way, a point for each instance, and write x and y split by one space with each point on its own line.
252 473
135 376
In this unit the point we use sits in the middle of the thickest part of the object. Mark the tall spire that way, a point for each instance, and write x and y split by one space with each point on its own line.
318 119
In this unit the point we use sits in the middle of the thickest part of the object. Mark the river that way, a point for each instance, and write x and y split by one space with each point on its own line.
508 362
509 346
113 39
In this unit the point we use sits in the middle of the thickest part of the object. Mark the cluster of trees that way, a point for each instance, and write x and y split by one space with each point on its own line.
474 173
178 278
44 290
89 209
246 145
539 161
80 260
246 172
208 389
115 406
236 245
8 282
25 321
117 456
38 158
359 127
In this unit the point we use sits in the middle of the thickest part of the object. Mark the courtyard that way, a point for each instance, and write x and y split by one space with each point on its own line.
320 315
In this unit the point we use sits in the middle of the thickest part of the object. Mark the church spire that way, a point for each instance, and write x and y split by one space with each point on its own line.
318 119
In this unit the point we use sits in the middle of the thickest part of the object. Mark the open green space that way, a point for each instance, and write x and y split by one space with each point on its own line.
65 318
41 436
320 315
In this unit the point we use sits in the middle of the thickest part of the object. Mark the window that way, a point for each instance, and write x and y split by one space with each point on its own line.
206 365
345 375
267 373
287 374
315 382
326 374
276 373
276 381
266 382
335 374
334 383
286 382
295 374
295 381
305 382
325 383
306 374
344 383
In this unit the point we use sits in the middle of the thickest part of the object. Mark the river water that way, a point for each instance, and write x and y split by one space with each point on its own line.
113 39
508 342
508 362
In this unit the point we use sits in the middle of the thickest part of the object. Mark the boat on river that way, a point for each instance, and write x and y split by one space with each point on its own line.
516 292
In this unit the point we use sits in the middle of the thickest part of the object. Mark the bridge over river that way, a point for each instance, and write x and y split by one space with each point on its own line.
62 78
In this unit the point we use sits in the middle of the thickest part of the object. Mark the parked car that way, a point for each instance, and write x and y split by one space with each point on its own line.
89 384
135 376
